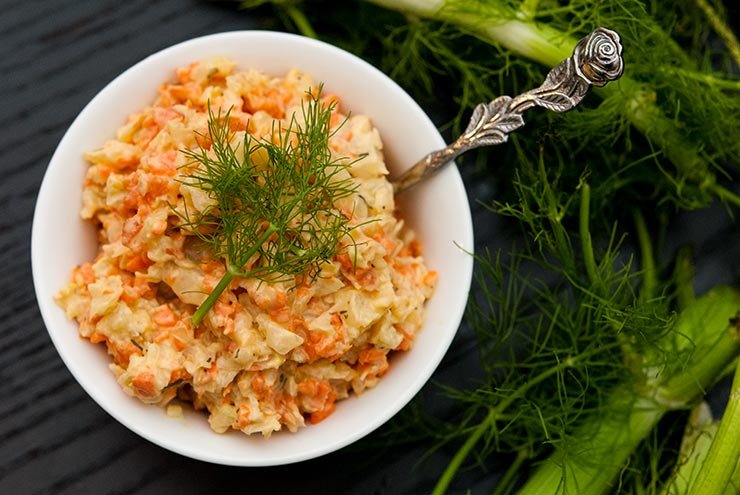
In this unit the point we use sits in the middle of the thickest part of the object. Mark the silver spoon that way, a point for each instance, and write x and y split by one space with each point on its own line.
596 60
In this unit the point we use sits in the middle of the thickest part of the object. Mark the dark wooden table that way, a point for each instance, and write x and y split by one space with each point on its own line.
55 56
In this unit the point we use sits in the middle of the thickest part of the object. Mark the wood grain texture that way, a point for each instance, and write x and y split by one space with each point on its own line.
55 55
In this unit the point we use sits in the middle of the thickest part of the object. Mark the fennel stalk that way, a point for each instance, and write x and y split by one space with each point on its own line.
601 447
723 457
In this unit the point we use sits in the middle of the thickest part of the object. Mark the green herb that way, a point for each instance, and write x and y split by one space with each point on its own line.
289 12
274 213
174 384
582 354
582 366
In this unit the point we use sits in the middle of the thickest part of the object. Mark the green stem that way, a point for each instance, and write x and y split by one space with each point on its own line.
562 243
713 350
735 480
649 272
528 10
231 273
534 40
507 480
449 473
722 28
584 230
206 305
639 108
725 195
601 448
490 419
697 438
708 79
684 276
300 20
717 469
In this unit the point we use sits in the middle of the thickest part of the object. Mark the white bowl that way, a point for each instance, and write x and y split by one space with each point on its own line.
437 209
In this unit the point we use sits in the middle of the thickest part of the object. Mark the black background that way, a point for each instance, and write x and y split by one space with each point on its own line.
55 55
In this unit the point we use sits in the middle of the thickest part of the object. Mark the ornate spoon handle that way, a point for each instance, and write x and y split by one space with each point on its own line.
596 60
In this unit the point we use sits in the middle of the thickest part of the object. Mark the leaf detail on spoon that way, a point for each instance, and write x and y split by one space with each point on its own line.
596 60
491 123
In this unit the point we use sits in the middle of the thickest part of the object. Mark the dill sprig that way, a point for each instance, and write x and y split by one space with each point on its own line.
273 213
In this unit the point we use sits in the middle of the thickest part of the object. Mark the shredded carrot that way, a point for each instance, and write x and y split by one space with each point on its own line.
105 169
179 374
373 361
323 413
164 316
164 164
226 312
412 249
85 273
138 263
242 417
143 384
210 374
271 101
183 73
408 338
163 115
260 386
318 398
131 227
122 351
